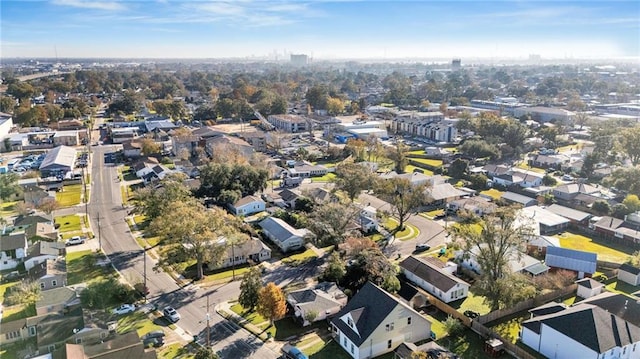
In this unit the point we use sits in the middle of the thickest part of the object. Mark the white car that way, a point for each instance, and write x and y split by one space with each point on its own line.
74 241
171 314
124 309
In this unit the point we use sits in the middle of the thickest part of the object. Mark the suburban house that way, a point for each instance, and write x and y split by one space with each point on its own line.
321 195
289 197
41 251
517 262
368 219
495 170
132 149
538 244
617 228
126 345
56 300
374 323
142 168
546 161
547 222
315 304
583 331
478 206
629 274
306 170
13 250
158 172
220 145
283 235
516 198
42 231
618 304
436 277
415 178
583 263
52 273
26 221
439 194
575 217
250 250
182 145
248 205
568 192
588 288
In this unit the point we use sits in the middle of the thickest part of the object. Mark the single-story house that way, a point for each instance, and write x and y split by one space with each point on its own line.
58 161
568 192
374 323
538 244
49 274
126 345
478 206
441 193
289 197
248 205
512 197
584 263
629 274
56 300
581 331
283 235
617 228
13 250
518 262
131 149
315 304
250 250
42 231
547 221
573 215
546 161
41 251
588 288
436 277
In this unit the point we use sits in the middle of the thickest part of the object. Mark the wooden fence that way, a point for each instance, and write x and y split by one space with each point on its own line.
527 304
509 347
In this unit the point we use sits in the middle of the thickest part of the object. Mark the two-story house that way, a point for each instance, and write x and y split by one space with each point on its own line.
374 323
13 250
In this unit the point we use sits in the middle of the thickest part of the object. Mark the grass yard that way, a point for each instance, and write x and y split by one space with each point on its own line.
410 231
70 195
471 302
3 289
509 328
17 312
81 267
7 209
330 350
493 193
435 212
174 351
622 288
300 258
606 251
225 274
326 178
17 349
426 161
70 223
467 345
136 321
412 168
525 166
282 329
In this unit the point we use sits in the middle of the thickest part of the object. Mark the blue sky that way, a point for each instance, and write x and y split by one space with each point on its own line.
321 28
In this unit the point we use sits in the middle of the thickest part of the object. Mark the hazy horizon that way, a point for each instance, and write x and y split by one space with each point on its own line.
324 30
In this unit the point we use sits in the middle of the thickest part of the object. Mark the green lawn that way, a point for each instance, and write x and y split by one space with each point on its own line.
606 252
7 209
412 168
18 312
493 193
467 345
300 258
70 223
525 166
435 212
81 267
174 351
326 178
471 302
331 350
622 288
426 161
509 328
282 329
70 196
227 274
136 321
3 289
410 231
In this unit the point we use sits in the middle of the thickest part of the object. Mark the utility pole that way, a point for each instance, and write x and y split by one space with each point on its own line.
99 234
144 261
233 261
208 327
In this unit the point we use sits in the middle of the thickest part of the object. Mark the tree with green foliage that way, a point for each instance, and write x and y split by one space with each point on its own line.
398 154
630 144
403 197
372 265
352 178
336 268
9 185
453 326
244 179
479 149
601 207
190 231
205 353
501 237
549 180
7 104
458 168
272 304
27 292
317 96
625 179
632 202
153 202
250 288
21 90
330 221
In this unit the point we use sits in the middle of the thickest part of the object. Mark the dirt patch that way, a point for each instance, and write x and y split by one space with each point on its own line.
233 128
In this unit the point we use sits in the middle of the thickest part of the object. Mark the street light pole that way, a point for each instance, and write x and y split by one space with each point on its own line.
144 260
99 234
208 327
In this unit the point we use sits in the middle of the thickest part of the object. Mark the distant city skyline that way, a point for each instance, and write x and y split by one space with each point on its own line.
322 29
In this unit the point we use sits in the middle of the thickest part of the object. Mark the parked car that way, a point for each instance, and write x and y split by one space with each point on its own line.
421 247
154 338
171 314
124 309
75 240
471 314
291 352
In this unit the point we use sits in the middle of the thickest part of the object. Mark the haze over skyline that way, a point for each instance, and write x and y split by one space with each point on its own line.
323 29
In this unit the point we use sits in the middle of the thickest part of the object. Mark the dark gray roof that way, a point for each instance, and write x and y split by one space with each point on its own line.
549 308
13 241
45 248
430 273
589 283
590 326
288 195
629 269
609 222
32 219
571 259
569 213
368 308
621 305
56 328
280 229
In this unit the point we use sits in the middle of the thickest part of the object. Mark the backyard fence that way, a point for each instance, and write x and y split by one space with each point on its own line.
527 304
509 347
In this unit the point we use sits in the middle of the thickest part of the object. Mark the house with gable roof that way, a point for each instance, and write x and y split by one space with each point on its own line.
13 250
283 234
248 205
436 277
374 322
324 300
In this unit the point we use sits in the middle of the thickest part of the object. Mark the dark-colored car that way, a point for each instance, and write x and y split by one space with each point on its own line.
421 247
471 314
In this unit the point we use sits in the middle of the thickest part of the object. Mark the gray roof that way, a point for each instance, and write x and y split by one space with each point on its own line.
368 308
59 156
609 222
571 259
56 296
55 328
13 241
246 200
518 198
570 213
537 268
589 283
549 308
314 299
620 305
45 248
430 273
576 188
590 326
280 229
443 191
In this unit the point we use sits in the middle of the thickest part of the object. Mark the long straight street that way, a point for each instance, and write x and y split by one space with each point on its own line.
107 217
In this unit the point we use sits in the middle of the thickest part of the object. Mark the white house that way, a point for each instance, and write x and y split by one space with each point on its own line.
13 250
588 288
316 304
629 274
368 219
374 323
435 276
248 205
517 262
251 250
583 331
282 234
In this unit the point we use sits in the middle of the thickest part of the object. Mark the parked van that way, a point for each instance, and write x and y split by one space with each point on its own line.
12 163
